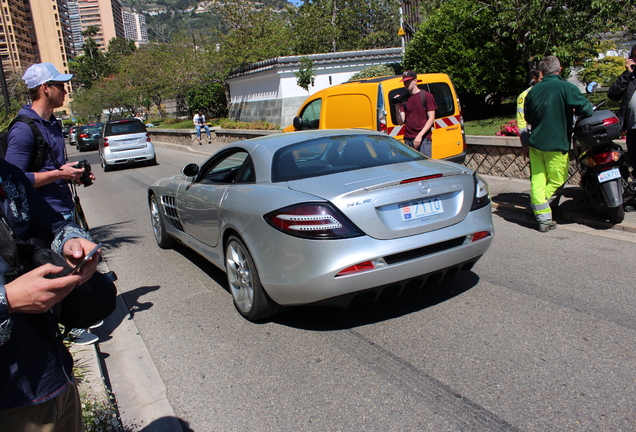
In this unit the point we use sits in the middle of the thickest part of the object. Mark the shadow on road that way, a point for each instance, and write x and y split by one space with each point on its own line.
109 235
387 307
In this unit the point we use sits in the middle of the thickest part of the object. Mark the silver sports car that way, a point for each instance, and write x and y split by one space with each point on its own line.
323 216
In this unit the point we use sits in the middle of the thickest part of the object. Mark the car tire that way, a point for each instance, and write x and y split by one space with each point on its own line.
103 163
158 225
250 300
152 162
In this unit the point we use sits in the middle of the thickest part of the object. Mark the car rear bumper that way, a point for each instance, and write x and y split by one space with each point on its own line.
128 156
296 271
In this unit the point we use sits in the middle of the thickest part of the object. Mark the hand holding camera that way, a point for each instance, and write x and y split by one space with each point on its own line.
630 64
85 178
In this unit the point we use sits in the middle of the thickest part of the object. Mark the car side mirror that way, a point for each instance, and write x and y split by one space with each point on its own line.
298 123
190 170
591 87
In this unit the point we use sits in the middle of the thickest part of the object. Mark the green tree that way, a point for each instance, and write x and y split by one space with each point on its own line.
374 71
118 48
305 76
253 34
486 47
209 98
345 25
91 66
604 71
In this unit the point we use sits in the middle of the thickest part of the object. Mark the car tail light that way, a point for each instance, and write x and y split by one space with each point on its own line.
83 136
105 142
479 235
382 121
482 196
148 137
603 158
317 221
363 267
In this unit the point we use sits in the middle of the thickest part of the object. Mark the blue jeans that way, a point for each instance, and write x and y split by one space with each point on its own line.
198 128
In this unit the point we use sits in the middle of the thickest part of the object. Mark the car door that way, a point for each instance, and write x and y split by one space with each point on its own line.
201 200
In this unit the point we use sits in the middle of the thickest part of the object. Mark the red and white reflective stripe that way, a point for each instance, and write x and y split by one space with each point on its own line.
448 121
395 131
439 123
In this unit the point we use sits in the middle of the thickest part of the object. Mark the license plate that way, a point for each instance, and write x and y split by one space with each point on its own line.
421 209
608 175
130 142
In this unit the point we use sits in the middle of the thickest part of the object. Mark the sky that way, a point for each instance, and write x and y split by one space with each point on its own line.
296 2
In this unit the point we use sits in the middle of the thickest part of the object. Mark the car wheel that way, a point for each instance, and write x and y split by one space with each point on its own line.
158 226
152 162
245 286
103 163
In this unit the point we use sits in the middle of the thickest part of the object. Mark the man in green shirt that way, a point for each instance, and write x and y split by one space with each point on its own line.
549 110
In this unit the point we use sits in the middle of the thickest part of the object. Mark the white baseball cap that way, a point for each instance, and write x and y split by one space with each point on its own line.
43 72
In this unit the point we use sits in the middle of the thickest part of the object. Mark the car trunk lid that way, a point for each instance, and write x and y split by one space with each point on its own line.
397 200
127 142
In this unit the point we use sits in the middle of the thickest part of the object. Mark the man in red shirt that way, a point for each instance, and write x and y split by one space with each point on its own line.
418 114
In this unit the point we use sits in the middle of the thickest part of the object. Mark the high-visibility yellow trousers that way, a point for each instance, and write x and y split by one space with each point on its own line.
548 172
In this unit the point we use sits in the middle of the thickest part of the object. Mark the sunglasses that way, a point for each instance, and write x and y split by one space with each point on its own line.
58 85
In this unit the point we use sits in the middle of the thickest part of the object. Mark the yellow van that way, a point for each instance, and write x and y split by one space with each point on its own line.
367 103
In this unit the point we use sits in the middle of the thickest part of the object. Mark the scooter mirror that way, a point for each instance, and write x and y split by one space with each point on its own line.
591 87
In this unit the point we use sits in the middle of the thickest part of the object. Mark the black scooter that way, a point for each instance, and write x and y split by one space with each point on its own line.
603 164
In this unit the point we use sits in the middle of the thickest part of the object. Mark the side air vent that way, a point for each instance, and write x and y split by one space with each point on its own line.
171 212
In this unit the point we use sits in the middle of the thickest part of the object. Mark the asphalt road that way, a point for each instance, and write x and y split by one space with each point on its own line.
538 337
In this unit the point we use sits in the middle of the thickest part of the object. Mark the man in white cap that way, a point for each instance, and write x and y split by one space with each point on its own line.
45 163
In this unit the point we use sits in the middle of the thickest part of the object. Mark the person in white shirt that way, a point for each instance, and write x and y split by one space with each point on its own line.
199 122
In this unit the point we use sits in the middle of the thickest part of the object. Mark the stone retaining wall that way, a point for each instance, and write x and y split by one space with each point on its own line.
488 155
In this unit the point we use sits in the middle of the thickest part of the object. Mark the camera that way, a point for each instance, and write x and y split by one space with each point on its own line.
400 98
85 178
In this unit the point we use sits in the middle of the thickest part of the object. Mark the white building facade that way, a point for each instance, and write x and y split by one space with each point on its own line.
268 90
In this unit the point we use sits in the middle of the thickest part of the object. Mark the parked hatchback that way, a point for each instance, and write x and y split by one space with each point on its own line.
87 137
125 142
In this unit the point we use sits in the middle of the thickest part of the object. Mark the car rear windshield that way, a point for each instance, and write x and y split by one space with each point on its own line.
334 154
125 128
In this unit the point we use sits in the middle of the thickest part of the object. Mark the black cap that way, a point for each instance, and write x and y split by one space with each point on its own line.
408 75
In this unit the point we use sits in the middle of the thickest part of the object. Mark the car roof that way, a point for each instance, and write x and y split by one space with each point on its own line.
124 121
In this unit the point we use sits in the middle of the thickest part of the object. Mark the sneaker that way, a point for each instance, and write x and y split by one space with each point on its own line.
82 337
547 226
97 324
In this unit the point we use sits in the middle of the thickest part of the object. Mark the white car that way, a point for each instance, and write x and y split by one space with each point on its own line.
125 142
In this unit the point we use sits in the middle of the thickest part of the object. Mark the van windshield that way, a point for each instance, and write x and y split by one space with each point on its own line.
441 92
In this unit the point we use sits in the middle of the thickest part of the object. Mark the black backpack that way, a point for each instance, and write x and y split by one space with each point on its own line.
41 148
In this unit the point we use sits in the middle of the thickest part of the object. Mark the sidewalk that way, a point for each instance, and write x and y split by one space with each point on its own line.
128 370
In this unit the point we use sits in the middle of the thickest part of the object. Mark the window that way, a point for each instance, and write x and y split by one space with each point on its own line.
336 154
227 168
441 93
311 115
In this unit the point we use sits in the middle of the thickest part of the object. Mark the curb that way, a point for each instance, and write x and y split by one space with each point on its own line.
624 226
127 370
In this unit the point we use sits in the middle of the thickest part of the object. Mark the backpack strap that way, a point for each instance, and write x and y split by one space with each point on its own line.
41 148
423 99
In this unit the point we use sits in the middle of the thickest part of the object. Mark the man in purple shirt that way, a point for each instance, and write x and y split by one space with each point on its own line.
47 91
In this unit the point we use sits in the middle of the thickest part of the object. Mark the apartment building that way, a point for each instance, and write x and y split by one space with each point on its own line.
16 50
106 15
135 27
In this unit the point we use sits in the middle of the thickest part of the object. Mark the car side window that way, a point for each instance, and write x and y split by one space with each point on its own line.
225 168
311 115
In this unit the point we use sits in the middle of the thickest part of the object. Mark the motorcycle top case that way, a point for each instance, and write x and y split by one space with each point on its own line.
600 128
